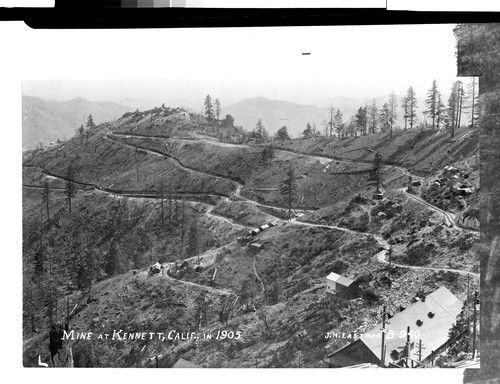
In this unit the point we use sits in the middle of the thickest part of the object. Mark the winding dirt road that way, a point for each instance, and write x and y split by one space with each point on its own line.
382 258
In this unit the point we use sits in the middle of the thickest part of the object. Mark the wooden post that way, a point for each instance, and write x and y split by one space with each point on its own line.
382 349
420 350
474 330
67 312
390 256
137 164
468 317
182 225
407 343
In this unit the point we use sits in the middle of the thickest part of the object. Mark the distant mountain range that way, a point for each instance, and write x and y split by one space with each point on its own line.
276 113
45 120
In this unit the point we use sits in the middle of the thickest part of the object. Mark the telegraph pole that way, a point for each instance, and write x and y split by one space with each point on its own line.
390 256
382 351
407 344
474 330
468 317
420 350
136 165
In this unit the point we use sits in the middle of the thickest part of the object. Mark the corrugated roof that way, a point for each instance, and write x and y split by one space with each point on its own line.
433 331
339 279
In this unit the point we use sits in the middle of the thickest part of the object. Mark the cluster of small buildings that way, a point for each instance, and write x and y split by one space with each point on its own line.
388 209
451 176
254 232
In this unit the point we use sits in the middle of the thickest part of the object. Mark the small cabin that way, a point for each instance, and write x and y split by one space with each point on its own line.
338 284
256 247
378 194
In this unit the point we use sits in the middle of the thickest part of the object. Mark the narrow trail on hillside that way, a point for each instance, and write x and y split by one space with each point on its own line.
344 160
176 160
206 288
142 197
257 276
448 218
347 230
382 258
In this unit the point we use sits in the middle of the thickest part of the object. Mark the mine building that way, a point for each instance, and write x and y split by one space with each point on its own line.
338 284
432 317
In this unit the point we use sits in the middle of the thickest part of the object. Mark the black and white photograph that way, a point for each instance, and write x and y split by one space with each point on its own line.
266 198
276 200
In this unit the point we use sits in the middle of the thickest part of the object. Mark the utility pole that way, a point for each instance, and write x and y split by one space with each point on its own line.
382 349
136 164
170 206
468 317
182 225
390 256
407 344
161 201
474 330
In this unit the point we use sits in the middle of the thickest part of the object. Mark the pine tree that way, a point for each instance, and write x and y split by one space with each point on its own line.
405 108
90 122
331 122
412 106
217 108
81 133
307 132
282 134
70 187
373 117
361 120
440 111
473 91
454 107
393 104
339 124
431 102
209 108
288 189
385 118
259 131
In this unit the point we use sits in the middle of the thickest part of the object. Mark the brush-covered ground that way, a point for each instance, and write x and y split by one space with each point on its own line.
92 263
421 151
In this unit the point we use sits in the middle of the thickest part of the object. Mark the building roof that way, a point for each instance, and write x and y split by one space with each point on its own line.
181 363
339 279
433 331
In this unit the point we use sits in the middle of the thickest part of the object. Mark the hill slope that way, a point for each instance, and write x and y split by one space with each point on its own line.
150 187
45 121
274 114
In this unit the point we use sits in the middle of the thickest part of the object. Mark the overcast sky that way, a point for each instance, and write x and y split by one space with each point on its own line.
233 64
